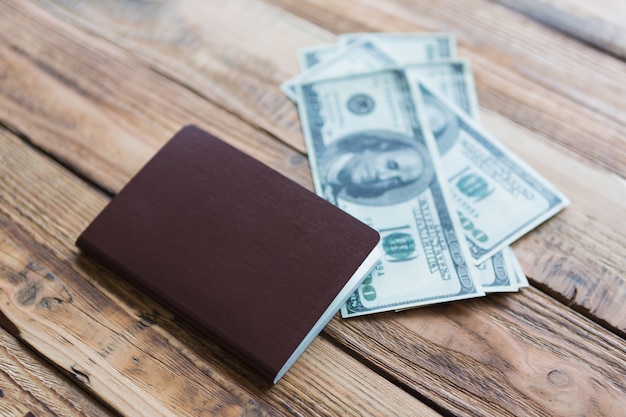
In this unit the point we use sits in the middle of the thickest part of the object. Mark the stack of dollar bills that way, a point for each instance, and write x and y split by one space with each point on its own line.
391 124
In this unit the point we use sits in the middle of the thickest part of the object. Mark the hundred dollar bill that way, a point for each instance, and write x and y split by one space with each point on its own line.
402 48
497 273
499 197
453 80
370 156
407 48
362 56
365 55
313 55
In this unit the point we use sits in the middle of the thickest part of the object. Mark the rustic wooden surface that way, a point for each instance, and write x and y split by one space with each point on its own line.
90 90
599 23
31 387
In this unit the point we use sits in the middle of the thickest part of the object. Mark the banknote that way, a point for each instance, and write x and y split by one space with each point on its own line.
454 82
368 53
371 156
362 56
402 48
407 48
453 79
498 274
520 277
499 198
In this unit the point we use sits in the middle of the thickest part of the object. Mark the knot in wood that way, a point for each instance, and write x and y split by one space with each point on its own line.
559 378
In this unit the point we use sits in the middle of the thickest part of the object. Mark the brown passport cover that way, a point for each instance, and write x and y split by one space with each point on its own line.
250 257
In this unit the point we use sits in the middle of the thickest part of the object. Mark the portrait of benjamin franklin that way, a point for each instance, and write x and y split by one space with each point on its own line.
375 168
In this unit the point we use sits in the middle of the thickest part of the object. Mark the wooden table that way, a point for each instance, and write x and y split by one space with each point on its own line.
89 90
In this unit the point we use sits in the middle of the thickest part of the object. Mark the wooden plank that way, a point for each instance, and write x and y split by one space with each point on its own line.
578 256
584 136
100 111
230 52
504 355
31 387
600 23
126 349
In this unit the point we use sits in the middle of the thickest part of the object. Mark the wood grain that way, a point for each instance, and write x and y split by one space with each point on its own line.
123 347
570 93
98 110
234 54
101 85
101 331
578 256
578 135
516 354
174 36
31 387
600 23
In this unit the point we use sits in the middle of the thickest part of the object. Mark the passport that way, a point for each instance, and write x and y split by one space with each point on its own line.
255 261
